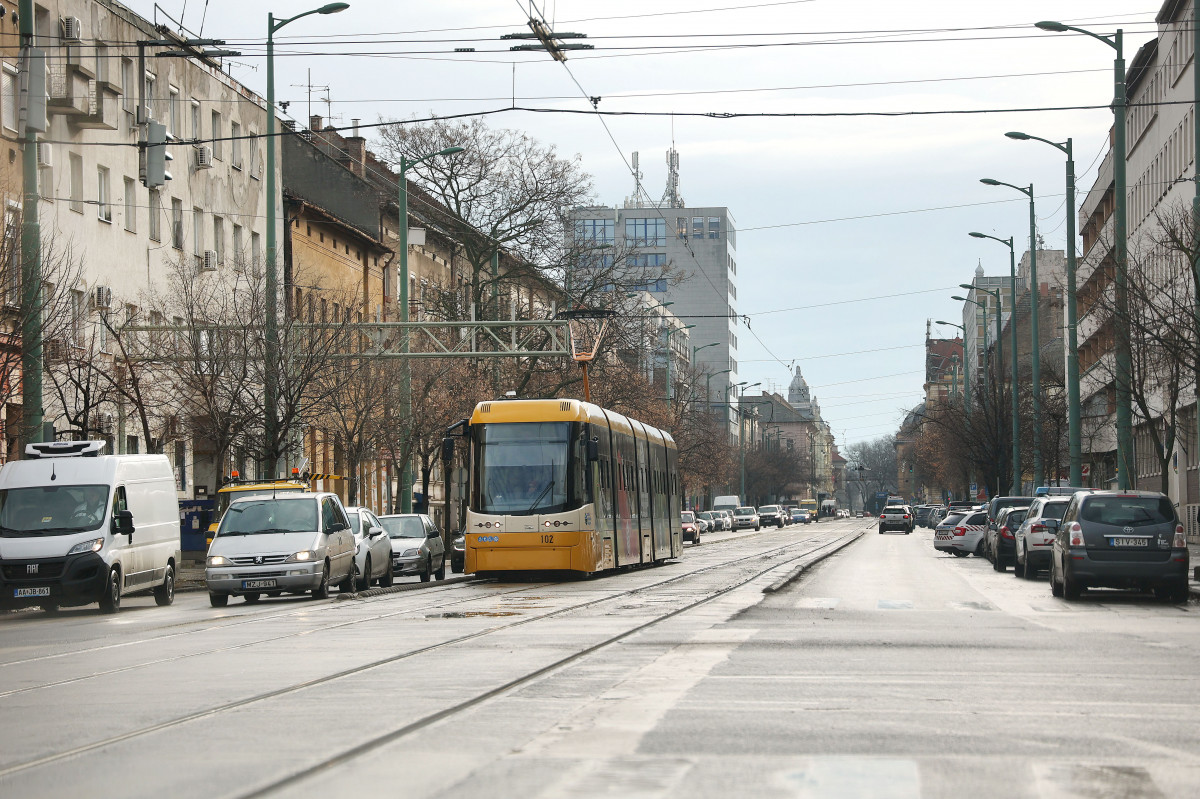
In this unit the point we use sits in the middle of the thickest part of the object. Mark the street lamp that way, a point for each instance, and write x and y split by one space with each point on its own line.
1012 296
406 368
702 347
741 436
708 391
1035 352
1123 357
668 332
271 325
1073 434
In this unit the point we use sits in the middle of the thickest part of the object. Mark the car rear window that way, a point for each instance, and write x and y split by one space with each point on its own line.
951 519
976 518
1127 511
687 516
1055 510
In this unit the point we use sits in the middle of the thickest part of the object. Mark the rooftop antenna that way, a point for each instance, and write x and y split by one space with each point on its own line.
671 197
637 182
309 86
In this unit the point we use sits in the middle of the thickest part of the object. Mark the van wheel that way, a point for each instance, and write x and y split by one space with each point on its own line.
252 598
322 590
388 578
165 593
50 607
110 602
218 600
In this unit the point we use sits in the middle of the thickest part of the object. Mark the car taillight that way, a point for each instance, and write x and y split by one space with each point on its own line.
1005 532
1037 528
960 531
1180 541
906 515
883 515
1076 533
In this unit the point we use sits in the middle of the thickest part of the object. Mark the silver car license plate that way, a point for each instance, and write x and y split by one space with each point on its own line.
248 584
1130 542
42 591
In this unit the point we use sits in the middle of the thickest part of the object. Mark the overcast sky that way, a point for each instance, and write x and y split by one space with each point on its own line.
830 262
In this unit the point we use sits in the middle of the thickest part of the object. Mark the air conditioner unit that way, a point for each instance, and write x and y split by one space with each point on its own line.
204 158
45 154
103 297
72 29
209 262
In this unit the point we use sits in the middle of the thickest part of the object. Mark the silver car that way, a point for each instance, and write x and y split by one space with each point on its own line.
416 545
373 550
289 542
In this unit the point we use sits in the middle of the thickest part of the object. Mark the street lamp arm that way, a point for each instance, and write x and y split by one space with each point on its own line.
991 182
1025 136
1058 27
1007 242
330 8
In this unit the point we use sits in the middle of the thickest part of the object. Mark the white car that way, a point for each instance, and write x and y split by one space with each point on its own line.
746 517
373 550
968 534
416 545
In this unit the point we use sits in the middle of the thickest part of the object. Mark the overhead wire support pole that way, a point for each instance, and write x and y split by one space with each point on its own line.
32 63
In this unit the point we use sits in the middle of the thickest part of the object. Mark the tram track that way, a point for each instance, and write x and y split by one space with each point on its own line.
380 662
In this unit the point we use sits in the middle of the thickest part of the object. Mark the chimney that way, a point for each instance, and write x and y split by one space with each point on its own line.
314 122
356 155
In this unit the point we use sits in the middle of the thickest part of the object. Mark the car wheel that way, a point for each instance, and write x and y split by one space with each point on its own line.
50 607
274 593
322 590
757 527
347 585
997 563
428 572
979 549
441 572
388 577
363 581
1070 588
1174 594
110 602
252 598
958 553
165 593
1018 567
456 565
218 600
881 530
1055 585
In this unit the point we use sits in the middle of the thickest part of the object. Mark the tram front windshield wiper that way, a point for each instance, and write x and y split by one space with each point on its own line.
549 486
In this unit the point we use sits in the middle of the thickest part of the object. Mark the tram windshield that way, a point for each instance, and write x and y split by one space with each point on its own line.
525 468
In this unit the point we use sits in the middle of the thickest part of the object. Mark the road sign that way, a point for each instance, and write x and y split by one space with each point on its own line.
1086 470
974 488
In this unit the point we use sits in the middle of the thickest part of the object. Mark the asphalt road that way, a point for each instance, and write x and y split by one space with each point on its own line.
886 670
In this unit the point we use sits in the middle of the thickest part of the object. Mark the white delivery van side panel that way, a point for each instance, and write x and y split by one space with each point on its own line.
149 489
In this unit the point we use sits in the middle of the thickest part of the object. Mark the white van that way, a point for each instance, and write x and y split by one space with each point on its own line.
728 502
78 527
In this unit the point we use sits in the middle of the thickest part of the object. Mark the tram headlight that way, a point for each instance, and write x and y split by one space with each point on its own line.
545 524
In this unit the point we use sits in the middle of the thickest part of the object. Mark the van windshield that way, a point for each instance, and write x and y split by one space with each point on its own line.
270 516
52 510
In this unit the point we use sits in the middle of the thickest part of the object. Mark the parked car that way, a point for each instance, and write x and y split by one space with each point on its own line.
771 514
968 534
458 553
1034 539
746 517
998 541
373 550
728 518
416 545
997 504
1119 539
716 521
293 542
896 517
921 515
691 527
943 534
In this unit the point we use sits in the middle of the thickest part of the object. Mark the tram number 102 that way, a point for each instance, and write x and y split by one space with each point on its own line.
547 539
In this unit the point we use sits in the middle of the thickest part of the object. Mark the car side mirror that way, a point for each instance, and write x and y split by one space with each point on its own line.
123 523
1051 524
433 534
374 532
336 527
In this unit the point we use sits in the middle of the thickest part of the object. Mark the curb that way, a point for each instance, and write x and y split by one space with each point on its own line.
395 589
795 573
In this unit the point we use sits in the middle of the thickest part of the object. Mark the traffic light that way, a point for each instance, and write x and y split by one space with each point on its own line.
155 156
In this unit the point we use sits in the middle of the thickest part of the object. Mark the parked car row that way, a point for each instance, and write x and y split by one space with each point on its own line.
1077 538
304 542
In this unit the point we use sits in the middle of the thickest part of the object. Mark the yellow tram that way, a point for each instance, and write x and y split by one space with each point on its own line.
566 485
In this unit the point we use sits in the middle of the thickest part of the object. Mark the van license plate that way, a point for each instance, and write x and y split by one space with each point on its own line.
1130 542
248 584
20 592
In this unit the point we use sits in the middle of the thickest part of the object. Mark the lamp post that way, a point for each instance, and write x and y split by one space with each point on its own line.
1074 446
1035 352
1123 359
966 370
1012 297
708 389
987 375
701 347
669 333
406 368
271 324
741 436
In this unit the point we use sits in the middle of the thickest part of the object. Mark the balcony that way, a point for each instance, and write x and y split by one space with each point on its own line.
103 109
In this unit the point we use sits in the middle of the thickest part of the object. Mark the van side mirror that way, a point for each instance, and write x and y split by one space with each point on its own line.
593 449
123 523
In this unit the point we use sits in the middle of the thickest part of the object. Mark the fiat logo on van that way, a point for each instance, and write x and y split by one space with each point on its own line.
31 568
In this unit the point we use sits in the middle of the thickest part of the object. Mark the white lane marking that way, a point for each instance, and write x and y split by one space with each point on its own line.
970 606
895 604
837 777
818 603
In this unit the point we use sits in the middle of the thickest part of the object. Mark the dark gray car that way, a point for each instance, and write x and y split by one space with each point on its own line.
1119 539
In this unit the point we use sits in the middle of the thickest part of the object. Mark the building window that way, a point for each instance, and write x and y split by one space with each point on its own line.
127 84
155 215
216 134
697 227
197 127
235 145
148 96
77 314
256 259
714 227
76 182
180 466
8 98
177 223
657 259
174 126
130 205
681 228
103 198
198 236
238 256
646 232
219 238
102 62
594 231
